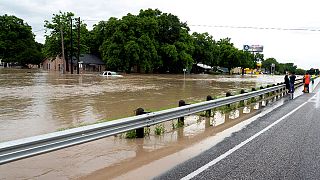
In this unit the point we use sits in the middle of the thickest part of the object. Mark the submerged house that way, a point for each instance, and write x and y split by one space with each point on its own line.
87 63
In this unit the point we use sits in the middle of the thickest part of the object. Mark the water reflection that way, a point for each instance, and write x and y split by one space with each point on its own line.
116 155
33 102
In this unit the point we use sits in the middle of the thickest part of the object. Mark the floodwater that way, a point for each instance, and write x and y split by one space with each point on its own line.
34 102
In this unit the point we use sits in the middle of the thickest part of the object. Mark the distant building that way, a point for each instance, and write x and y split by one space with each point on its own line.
224 70
87 63
53 64
237 70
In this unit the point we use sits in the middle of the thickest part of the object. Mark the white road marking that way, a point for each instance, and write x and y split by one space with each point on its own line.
213 162
318 100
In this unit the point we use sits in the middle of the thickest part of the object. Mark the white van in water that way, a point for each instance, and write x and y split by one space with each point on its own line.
110 74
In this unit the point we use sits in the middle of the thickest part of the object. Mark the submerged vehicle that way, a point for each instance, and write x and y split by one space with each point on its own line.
110 74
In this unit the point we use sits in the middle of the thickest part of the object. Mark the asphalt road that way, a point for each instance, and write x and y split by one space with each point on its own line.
283 144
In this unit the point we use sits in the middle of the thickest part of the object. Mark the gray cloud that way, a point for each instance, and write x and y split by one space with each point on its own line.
299 47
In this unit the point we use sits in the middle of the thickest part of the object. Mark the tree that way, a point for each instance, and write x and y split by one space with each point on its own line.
61 22
205 49
151 41
17 44
268 62
258 57
247 59
300 71
229 55
160 42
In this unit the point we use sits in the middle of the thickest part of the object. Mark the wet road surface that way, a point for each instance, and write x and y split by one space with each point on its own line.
290 149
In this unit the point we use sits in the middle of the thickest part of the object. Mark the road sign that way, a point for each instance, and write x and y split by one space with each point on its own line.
253 48
246 47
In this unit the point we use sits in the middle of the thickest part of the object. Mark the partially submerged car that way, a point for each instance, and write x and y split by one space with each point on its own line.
110 74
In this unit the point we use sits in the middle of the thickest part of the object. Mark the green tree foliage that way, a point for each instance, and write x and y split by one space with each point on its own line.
268 62
281 68
206 49
229 56
17 44
151 41
300 71
287 67
62 21
259 57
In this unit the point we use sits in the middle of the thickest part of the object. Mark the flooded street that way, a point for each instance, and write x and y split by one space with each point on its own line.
34 102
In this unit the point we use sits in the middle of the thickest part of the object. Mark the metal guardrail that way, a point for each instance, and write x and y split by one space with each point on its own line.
28 147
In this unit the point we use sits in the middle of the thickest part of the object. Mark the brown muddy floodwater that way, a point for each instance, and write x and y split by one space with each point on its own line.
34 102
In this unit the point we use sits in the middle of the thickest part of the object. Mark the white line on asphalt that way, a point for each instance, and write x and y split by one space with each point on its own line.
213 162
318 100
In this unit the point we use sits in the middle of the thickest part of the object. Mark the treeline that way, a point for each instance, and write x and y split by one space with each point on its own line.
17 43
151 41
282 68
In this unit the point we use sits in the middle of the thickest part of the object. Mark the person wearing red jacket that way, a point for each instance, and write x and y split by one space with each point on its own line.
306 80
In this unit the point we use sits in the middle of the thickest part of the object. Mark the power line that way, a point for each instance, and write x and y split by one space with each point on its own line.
227 26
39 30
260 28
96 20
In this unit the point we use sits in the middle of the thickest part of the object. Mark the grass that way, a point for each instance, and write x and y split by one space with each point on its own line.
131 134
241 104
176 125
147 131
159 129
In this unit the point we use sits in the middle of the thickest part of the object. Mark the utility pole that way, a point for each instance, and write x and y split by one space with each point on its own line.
78 46
71 54
62 48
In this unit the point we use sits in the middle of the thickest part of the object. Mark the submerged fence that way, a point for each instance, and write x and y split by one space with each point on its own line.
28 147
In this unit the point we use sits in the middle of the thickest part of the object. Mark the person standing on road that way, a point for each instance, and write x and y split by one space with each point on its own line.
286 81
292 79
306 79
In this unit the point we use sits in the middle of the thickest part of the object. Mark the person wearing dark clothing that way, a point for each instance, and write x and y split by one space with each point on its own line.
286 82
292 79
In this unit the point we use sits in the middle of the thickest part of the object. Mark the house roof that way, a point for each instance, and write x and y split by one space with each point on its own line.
89 59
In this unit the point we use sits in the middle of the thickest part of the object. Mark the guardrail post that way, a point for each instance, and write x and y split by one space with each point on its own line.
208 112
140 131
242 102
253 99
268 97
227 95
181 119
278 92
261 96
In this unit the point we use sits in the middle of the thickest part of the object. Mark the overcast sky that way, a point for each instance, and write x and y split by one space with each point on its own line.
299 47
